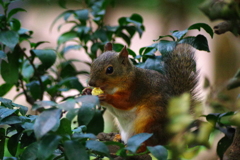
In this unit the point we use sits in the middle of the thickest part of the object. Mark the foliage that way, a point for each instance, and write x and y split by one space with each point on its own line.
43 75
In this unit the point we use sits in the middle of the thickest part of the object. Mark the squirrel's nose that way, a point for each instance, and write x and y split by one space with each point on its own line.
92 83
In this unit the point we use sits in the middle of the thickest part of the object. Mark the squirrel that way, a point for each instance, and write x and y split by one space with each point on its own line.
137 97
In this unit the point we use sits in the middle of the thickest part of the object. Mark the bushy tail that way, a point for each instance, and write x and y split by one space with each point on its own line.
180 70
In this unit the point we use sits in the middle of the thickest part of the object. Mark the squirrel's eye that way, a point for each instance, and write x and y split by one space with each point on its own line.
109 70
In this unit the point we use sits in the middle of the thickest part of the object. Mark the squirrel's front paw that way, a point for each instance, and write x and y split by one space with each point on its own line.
102 97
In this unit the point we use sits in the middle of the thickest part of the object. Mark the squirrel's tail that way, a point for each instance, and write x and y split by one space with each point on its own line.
180 70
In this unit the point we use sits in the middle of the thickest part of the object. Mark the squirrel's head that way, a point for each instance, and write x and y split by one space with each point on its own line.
110 69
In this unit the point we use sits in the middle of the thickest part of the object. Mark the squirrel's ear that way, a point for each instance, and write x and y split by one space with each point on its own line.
108 47
124 52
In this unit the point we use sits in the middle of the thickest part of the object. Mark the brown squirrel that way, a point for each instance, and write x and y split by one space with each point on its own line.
137 97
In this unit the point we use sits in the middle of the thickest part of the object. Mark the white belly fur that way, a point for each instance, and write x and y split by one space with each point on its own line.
124 120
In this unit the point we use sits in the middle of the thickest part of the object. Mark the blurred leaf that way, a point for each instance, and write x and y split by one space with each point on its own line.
35 45
159 152
43 104
46 121
179 34
47 145
85 113
30 153
67 69
71 47
5 112
11 120
67 105
15 11
15 24
204 26
96 125
233 83
98 146
35 89
81 135
82 14
3 56
136 18
27 139
23 109
223 145
65 127
46 56
88 99
199 42
12 144
6 102
67 36
5 88
9 70
153 63
62 3
71 83
135 141
165 47
2 142
74 150
9 38
65 15
117 47
27 70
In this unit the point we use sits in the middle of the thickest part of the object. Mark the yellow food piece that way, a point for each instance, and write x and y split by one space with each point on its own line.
97 91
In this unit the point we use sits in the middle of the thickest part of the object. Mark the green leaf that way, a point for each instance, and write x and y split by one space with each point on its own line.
46 121
15 24
86 113
23 109
27 70
71 83
5 88
12 120
9 71
46 56
3 56
199 42
165 47
47 145
65 127
15 11
6 102
223 145
5 112
233 83
136 17
67 105
98 146
65 14
153 63
158 152
135 141
82 14
62 3
67 36
96 125
13 143
30 153
27 139
71 47
43 104
179 34
74 150
86 99
2 142
35 89
205 26
9 38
